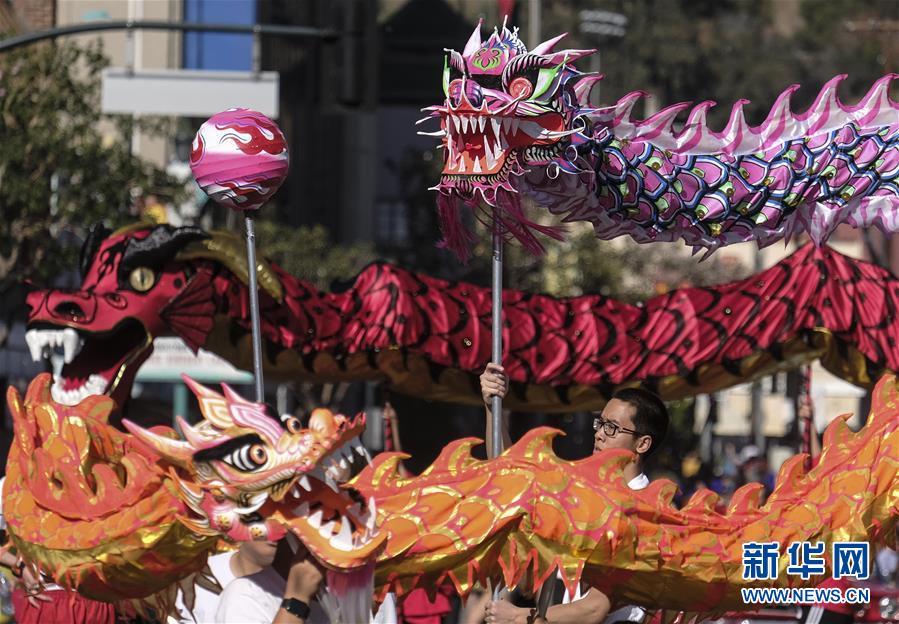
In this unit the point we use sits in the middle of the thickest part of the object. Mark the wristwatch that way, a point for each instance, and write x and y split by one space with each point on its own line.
296 608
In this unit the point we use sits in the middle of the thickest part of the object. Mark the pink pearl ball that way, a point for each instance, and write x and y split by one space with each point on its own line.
239 158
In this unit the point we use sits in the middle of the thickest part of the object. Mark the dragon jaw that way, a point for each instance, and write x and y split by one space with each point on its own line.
94 362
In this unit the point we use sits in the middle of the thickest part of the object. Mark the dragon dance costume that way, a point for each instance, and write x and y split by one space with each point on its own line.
127 516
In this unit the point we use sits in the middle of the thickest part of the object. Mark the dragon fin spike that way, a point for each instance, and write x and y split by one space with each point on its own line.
791 471
565 57
547 46
698 114
584 85
746 499
474 42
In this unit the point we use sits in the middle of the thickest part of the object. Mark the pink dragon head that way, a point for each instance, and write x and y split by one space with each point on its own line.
506 108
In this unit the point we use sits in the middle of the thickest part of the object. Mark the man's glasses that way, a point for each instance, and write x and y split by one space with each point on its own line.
610 428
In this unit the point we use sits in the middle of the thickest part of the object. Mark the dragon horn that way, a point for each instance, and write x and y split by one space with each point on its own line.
548 45
199 389
194 438
234 397
176 451
474 42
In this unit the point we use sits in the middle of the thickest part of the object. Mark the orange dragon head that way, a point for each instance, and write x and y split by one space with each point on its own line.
247 474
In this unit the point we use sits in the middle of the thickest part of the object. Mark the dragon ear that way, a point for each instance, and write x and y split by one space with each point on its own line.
95 237
178 452
474 42
547 46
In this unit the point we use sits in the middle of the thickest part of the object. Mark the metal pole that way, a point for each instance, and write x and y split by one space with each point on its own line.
254 309
10 43
757 414
496 412
535 25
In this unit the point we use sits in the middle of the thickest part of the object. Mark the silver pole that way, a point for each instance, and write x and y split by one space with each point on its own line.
535 25
496 411
254 309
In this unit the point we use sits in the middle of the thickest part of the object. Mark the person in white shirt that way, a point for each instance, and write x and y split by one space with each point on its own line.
633 419
225 567
261 595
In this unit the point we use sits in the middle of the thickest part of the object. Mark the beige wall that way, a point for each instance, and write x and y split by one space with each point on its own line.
152 49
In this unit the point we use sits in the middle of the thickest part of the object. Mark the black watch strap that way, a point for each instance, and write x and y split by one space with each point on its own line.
296 608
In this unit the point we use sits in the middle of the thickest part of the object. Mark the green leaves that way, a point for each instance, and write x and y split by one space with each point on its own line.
309 254
63 165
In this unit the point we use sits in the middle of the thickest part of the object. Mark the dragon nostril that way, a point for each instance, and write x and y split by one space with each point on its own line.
69 309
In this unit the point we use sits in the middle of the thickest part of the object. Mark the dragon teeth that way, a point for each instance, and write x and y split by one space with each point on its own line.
35 346
95 384
71 344
495 124
477 165
482 121
327 529
315 520
42 342
304 483
302 510
464 123
344 539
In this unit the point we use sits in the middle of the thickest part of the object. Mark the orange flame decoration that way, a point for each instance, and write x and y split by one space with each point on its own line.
517 518
100 514
89 507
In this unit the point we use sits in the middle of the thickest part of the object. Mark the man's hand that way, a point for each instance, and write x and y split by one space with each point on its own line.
493 383
34 588
304 577
504 612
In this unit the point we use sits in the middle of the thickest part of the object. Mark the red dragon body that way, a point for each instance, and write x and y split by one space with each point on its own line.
431 338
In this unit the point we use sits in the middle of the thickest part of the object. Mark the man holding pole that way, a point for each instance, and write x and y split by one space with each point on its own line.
633 419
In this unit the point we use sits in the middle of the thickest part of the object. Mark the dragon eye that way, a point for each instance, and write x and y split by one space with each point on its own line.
142 279
258 454
293 424
520 87
247 458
